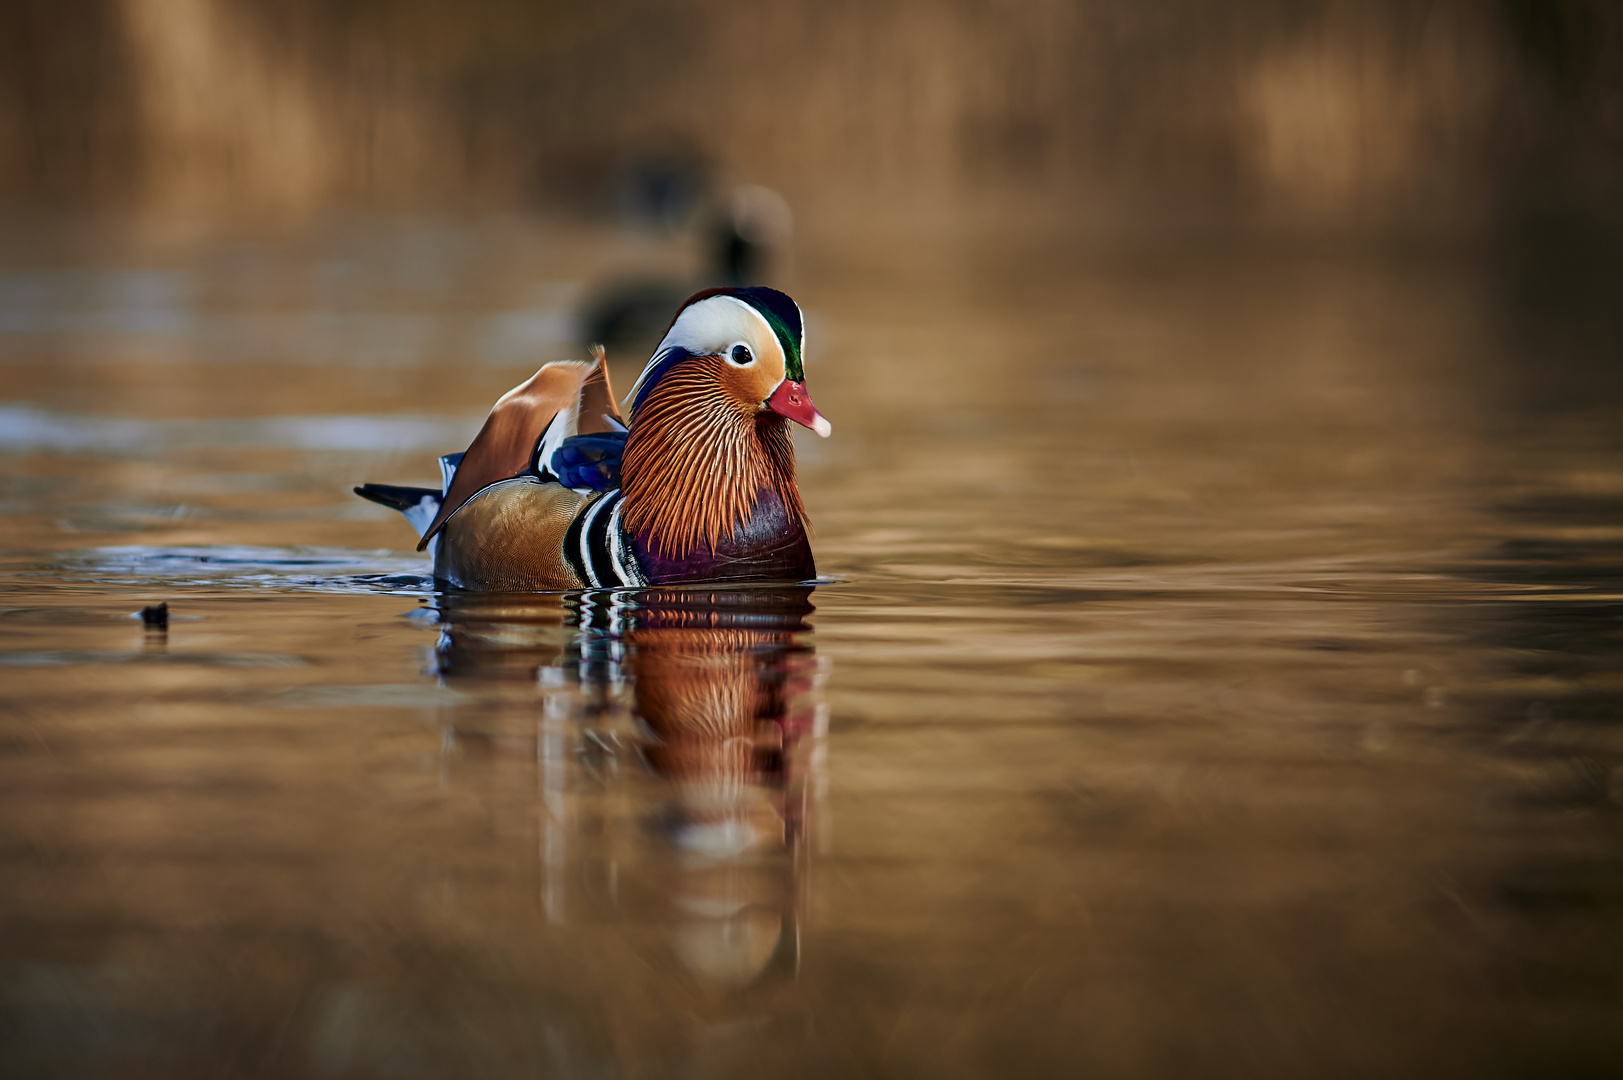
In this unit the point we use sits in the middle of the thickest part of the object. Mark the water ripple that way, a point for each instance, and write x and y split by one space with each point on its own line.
303 569
24 429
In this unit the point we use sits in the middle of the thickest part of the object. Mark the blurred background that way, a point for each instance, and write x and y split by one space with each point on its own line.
1216 666
1446 114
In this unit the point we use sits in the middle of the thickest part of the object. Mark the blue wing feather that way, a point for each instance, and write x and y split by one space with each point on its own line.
590 461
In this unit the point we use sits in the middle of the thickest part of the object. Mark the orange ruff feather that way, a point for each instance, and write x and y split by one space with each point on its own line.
696 461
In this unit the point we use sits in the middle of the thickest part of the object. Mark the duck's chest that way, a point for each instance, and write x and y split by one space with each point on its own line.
771 546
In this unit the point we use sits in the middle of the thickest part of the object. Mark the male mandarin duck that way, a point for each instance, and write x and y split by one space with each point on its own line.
558 492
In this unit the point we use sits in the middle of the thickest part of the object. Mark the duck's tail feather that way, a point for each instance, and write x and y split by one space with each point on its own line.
418 504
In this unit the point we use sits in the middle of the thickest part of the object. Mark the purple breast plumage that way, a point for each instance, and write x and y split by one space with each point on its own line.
770 545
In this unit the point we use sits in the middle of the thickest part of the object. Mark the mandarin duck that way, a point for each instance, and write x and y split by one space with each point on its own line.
558 491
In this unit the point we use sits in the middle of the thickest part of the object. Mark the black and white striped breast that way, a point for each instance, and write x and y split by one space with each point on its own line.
596 547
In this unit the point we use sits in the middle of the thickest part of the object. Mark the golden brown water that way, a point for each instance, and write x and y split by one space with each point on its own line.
1218 674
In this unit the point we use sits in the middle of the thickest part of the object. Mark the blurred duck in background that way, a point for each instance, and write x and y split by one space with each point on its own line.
744 242
558 492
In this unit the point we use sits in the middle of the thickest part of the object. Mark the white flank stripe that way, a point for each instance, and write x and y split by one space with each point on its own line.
617 550
585 549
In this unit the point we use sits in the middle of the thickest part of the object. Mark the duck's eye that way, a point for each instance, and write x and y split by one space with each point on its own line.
742 355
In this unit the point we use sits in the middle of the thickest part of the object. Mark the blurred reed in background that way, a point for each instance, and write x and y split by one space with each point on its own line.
1321 112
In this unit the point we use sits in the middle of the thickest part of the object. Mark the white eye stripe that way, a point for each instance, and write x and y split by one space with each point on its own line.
713 327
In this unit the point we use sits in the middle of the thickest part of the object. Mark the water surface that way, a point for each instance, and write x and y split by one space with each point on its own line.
1216 672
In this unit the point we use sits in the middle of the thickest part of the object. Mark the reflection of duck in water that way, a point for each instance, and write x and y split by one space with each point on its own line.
556 492
711 685
717 684
717 717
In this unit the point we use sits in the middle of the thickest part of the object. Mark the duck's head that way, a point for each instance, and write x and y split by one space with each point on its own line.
746 343
707 421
